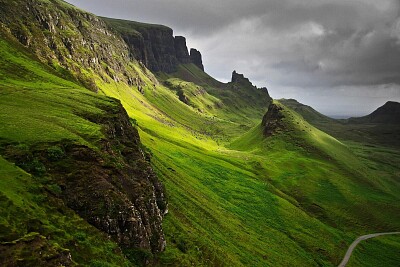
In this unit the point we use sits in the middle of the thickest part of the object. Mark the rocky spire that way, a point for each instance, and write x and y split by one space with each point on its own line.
195 57
239 78
181 50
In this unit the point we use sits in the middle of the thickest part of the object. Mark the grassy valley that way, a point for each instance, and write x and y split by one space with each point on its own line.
249 181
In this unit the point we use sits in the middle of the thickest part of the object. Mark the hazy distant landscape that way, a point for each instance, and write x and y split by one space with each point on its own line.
121 145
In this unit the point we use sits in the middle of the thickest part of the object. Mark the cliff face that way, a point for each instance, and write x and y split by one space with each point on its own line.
64 36
155 45
112 187
195 57
181 50
115 190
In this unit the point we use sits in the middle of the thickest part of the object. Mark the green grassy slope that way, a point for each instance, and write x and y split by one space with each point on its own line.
39 107
307 112
296 198
379 251
377 129
327 179
221 199
239 103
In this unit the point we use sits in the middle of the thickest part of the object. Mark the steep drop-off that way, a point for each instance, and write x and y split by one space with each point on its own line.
155 45
78 43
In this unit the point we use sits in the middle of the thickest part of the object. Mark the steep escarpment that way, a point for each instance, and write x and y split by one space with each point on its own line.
155 45
111 186
195 57
114 190
75 42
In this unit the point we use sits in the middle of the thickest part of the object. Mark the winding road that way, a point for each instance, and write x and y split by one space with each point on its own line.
358 240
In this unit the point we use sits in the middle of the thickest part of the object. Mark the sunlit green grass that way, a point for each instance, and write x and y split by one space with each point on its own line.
37 107
378 251
287 200
236 198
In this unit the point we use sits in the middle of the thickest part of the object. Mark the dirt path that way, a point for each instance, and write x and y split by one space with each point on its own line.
358 240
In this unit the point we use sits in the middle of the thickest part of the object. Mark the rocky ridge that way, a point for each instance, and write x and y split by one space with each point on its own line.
247 92
155 46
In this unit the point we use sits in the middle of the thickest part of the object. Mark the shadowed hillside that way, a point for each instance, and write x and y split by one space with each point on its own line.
389 113
379 128
106 121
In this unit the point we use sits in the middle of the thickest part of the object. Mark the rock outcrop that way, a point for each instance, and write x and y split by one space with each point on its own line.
249 94
272 120
112 187
155 45
239 78
195 57
181 50
117 191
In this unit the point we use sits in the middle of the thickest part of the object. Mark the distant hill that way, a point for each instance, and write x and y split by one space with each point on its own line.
308 113
117 149
380 127
389 113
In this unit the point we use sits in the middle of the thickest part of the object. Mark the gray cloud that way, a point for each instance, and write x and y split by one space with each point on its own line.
316 47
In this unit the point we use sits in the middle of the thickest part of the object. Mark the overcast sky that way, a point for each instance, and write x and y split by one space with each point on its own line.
340 56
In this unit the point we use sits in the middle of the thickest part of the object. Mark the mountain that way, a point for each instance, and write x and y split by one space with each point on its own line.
389 113
117 149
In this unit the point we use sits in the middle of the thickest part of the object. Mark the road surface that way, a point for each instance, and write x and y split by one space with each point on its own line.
358 240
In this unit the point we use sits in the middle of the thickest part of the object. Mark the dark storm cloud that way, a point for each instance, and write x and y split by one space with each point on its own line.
310 46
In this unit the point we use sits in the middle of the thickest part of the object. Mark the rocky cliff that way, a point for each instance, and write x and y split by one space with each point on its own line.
272 120
155 45
239 78
195 57
115 190
111 185
68 38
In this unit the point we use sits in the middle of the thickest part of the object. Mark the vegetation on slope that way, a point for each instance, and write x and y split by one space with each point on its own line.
379 251
308 113
297 197
63 149
380 128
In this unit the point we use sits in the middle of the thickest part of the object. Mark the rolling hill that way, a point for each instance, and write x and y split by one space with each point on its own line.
389 113
380 128
117 149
